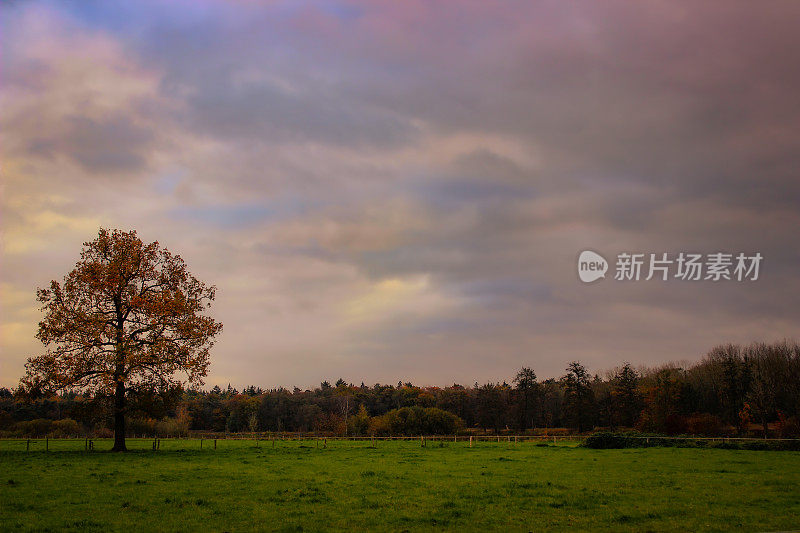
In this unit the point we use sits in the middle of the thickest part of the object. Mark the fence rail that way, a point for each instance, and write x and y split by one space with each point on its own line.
211 441
475 438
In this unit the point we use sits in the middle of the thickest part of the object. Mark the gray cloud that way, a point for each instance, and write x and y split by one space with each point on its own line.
264 112
108 145
413 185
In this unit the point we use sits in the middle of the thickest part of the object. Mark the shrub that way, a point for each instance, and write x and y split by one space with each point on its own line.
142 426
66 427
103 433
676 425
704 424
359 423
172 427
789 428
34 428
416 421
606 440
168 427
551 432
775 445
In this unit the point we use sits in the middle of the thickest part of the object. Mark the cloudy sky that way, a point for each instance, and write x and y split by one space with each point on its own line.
388 191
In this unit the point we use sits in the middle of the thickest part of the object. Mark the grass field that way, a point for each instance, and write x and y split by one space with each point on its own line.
396 486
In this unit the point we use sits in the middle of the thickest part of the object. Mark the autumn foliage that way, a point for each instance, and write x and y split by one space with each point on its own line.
128 317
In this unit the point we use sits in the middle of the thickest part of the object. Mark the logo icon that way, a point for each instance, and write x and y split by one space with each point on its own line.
591 266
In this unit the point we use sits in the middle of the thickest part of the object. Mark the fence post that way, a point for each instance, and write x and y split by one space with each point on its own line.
215 444
325 443
28 445
86 444
158 445
47 444
470 441
201 443
372 438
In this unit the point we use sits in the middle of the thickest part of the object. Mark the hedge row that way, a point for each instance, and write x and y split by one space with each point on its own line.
604 441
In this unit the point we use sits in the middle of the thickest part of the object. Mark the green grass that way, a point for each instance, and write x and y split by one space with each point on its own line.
397 486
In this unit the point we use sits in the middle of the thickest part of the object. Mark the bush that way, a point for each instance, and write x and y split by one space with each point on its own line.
775 445
359 423
66 427
103 433
168 427
676 425
415 421
550 432
172 427
34 428
704 424
605 440
142 427
789 428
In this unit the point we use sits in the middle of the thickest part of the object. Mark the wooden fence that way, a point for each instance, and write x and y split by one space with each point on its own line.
211 442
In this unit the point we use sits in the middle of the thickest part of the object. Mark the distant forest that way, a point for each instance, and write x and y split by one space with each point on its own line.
733 390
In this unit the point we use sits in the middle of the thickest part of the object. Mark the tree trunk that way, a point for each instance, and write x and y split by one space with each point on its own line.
119 419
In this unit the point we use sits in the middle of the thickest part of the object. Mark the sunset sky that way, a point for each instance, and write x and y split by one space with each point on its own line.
388 191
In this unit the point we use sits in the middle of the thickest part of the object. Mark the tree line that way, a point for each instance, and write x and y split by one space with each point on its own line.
734 389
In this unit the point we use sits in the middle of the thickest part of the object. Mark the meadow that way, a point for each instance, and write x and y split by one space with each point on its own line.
396 486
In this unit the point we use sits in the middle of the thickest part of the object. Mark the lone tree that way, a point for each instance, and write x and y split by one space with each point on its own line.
127 318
